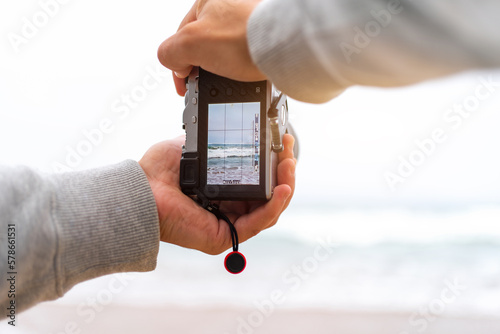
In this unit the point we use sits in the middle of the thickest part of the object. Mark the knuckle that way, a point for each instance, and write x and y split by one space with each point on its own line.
177 49
253 232
217 245
162 50
188 36
213 252
217 249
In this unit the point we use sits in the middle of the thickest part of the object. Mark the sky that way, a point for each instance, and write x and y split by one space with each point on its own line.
86 90
402 164
232 123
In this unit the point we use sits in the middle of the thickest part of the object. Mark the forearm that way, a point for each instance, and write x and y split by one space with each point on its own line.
314 49
76 226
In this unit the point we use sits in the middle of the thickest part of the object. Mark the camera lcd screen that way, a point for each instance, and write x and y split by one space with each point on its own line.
233 144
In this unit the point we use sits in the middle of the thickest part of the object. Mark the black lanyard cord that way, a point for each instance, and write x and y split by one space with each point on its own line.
234 235
234 262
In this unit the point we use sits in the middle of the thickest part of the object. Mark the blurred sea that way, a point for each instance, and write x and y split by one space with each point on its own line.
373 260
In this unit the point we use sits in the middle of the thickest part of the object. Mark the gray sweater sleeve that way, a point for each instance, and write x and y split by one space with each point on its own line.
73 227
314 49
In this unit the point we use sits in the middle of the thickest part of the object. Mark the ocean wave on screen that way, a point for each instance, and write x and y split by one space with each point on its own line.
229 154
233 155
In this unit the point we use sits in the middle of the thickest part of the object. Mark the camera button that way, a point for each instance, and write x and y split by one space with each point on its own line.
194 119
194 100
229 91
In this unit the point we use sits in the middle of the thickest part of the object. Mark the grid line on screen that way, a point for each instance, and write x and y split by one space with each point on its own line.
233 155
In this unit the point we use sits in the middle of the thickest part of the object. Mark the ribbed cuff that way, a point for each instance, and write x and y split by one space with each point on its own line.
107 223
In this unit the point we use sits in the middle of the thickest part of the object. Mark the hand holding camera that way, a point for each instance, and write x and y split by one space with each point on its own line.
224 50
234 130
183 222
234 133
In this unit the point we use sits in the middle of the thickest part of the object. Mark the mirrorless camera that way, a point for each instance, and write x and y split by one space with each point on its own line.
234 132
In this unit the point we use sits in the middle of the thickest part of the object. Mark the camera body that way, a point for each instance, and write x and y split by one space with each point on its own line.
234 132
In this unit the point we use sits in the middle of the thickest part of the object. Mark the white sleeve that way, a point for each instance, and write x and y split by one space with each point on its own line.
72 227
314 49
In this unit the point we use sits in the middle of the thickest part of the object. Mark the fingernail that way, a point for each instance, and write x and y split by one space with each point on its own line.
179 75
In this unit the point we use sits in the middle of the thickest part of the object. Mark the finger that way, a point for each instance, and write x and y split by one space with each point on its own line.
183 74
190 16
288 143
286 175
179 76
179 140
264 216
182 50
180 85
287 164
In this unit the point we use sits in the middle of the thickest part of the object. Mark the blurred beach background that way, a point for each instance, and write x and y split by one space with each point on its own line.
352 254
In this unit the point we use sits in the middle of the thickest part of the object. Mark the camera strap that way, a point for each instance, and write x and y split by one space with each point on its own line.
213 208
235 262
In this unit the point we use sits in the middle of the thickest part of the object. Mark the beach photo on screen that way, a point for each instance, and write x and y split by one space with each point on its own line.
233 143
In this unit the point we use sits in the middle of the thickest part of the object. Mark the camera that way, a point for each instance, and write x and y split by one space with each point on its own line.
234 132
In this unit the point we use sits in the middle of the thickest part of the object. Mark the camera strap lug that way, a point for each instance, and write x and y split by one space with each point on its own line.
274 119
